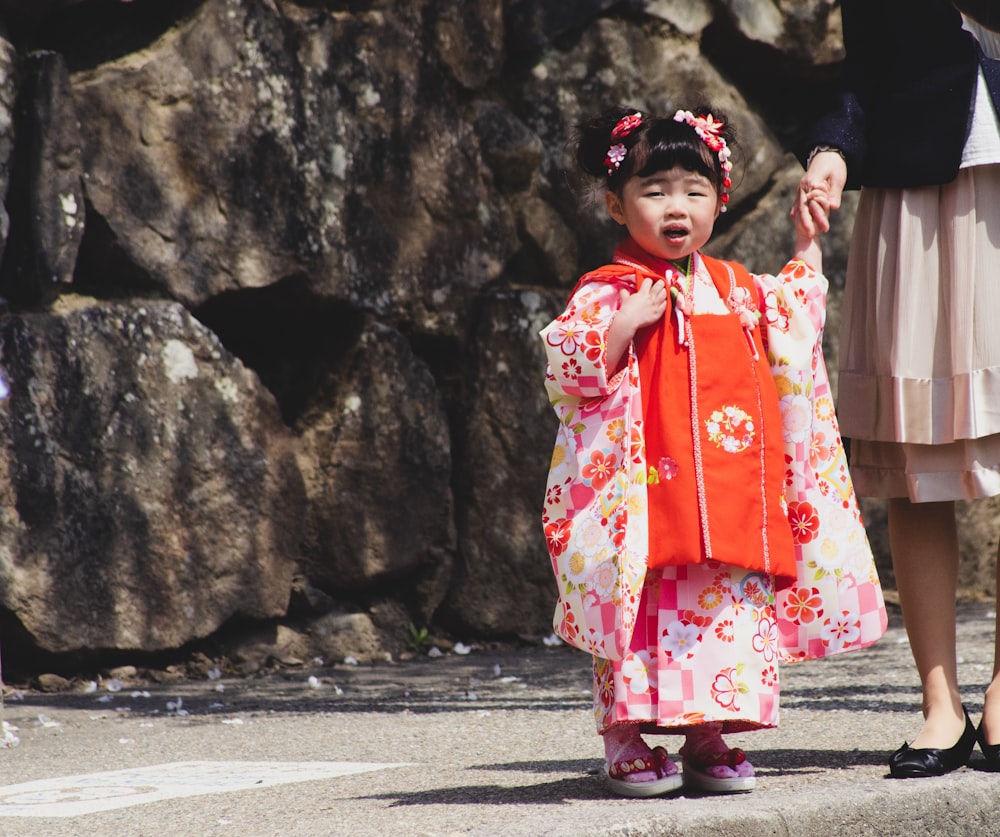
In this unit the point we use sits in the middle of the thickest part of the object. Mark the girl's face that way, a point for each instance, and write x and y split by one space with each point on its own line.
669 213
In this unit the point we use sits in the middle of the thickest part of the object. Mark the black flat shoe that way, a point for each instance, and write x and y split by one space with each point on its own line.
910 763
991 752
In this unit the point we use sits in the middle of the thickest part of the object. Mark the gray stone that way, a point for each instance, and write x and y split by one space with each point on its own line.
269 645
536 23
689 16
551 238
375 455
244 147
805 29
152 493
52 683
337 636
45 197
512 151
504 583
468 37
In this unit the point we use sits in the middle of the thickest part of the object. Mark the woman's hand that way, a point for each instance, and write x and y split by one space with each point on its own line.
820 190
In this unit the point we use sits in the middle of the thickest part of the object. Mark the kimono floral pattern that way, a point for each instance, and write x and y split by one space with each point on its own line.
730 428
703 650
836 604
684 645
594 513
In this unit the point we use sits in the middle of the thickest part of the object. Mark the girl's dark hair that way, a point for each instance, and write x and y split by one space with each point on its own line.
659 143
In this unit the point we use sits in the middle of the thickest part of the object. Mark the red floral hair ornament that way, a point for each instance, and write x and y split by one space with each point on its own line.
710 130
616 153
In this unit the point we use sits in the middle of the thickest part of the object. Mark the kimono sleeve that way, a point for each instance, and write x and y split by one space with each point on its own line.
593 515
793 305
835 603
576 344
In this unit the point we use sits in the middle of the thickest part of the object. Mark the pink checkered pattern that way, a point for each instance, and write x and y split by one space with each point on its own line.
705 649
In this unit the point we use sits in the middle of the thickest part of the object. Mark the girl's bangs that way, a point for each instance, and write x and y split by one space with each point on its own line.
665 156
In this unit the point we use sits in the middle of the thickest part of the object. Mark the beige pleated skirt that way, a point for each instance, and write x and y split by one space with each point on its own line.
919 385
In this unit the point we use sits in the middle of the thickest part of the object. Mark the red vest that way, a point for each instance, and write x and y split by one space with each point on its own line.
713 433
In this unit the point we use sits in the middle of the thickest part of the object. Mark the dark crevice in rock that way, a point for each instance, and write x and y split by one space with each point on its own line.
533 25
449 365
530 265
23 659
44 193
770 80
92 32
19 653
103 268
292 340
406 589
452 368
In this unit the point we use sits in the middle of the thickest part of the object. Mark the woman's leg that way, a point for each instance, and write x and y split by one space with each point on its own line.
991 706
924 542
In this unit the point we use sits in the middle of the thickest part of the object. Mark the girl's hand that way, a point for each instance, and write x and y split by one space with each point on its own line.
643 308
817 204
828 172
646 306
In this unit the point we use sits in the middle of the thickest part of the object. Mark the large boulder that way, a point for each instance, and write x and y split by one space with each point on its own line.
375 454
504 583
151 492
245 147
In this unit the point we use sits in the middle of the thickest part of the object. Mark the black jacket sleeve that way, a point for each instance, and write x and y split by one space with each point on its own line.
905 101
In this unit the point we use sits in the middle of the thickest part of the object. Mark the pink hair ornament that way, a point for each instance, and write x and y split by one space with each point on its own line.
617 152
709 129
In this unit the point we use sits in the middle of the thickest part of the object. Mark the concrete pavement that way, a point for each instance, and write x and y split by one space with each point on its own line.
490 743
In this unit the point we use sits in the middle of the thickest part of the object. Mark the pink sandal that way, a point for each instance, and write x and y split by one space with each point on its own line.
668 778
727 771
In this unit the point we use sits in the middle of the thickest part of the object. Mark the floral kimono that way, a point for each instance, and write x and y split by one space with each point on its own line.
681 642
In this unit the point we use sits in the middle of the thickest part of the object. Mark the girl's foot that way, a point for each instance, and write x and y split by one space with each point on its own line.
633 769
711 766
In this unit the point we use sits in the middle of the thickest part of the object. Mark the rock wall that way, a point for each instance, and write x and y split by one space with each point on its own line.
274 273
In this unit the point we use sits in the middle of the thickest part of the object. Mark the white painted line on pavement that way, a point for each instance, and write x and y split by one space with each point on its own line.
71 796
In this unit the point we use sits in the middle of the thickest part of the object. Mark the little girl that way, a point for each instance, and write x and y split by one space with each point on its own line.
699 514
